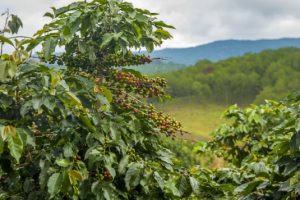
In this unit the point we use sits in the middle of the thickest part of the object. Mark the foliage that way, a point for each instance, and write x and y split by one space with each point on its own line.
271 74
183 151
85 131
12 23
261 148
101 31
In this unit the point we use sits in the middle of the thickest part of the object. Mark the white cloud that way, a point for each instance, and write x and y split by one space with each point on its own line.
196 21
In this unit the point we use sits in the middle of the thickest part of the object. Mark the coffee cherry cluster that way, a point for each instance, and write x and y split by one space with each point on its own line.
166 124
107 176
79 61
127 60
143 86
82 61
53 60
131 152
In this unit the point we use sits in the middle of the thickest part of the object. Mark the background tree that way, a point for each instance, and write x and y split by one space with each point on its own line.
251 78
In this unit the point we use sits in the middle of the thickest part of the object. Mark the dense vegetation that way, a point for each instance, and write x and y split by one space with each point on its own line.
85 131
271 74
261 147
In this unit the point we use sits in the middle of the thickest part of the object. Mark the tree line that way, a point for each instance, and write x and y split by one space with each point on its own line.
253 77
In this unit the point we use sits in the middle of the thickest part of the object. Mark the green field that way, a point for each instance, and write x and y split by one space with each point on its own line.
198 119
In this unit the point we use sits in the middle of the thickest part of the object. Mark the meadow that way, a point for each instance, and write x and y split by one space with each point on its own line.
196 118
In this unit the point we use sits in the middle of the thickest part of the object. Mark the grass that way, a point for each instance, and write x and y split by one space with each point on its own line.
198 119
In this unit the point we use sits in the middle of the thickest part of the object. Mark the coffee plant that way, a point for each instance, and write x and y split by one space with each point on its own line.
261 148
85 131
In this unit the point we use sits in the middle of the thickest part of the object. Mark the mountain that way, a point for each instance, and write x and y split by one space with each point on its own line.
219 50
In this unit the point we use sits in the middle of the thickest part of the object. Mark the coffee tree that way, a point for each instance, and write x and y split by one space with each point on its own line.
261 150
84 130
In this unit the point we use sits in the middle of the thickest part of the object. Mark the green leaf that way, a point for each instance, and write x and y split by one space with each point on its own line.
66 183
82 47
26 137
297 125
75 5
133 175
259 168
107 38
75 176
62 162
162 24
11 69
36 103
3 74
48 14
291 167
43 177
74 16
1 146
54 184
33 43
141 18
7 69
164 33
6 40
15 146
68 150
60 11
295 142
107 93
49 46
66 34
149 46
15 24
247 188
74 99
171 187
195 185
123 164
159 180
92 54
184 186
88 123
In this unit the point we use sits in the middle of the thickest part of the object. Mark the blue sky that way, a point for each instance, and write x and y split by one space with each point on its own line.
196 21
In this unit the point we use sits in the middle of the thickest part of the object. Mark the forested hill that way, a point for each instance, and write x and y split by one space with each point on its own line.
271 74
222 49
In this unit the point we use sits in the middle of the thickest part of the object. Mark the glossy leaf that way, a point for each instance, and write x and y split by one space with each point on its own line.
15 146
54 184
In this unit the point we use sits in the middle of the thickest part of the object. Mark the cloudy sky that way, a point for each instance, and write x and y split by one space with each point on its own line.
196 21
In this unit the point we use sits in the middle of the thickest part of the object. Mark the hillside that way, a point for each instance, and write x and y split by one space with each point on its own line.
219 50
271 74
157 66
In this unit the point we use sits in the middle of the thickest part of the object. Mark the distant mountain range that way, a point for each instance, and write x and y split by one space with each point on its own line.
219 50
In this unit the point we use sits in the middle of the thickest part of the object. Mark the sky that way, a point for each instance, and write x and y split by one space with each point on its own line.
196 21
